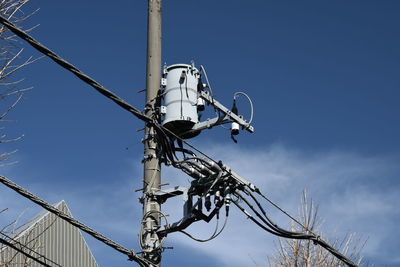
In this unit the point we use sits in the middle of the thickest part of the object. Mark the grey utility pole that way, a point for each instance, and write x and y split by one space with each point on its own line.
152 168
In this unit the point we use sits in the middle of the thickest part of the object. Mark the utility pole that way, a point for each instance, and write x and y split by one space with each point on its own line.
152 168
211 178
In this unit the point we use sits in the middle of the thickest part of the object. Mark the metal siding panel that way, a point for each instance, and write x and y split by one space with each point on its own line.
60 242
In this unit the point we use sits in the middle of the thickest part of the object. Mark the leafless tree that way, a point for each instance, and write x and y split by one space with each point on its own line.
11 94
11 61
303 253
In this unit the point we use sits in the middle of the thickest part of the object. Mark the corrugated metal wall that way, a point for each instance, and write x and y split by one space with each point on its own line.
54 238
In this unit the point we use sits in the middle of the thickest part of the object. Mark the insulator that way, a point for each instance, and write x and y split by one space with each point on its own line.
235 128
227 203
200 104
213 166
192 172
200 204
228 199
202 168
207 202
217 197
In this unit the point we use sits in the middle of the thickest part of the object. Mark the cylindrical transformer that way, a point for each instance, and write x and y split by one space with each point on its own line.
180 99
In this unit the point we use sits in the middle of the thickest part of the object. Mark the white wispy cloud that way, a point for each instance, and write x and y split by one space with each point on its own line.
356 193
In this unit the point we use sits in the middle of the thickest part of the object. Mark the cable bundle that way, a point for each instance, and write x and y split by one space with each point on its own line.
215 180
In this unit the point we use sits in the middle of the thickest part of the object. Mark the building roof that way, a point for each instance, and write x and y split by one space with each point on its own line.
52 237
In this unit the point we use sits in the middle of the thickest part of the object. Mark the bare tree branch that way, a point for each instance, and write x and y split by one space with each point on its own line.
5 113
293 253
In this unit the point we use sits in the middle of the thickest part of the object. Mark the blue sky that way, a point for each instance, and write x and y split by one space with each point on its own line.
324 78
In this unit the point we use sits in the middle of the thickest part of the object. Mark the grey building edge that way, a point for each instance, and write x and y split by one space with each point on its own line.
53 238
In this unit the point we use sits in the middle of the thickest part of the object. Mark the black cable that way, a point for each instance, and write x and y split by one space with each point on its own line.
28 248
294 235
249 216
282 210
147 215
130 253
20 250
273 224
168 148
275 230
66 65
101 89
180 89
213 236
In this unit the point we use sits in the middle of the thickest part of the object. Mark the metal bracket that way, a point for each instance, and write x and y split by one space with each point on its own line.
238 178
209 123
194 216
148 157
227 112
163 82
163 195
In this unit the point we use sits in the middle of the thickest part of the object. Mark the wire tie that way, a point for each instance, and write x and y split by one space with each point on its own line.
316 239
132 255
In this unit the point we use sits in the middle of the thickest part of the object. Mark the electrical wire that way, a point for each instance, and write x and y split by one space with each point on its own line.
270 221
159 128
250 101
66 65
130 253
249 216
283 211
213 236
20 250
98 87
30 250
180 90
208 82
274 229
210 89
141 233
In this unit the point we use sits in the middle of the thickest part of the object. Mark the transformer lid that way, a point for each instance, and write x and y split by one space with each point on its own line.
181 65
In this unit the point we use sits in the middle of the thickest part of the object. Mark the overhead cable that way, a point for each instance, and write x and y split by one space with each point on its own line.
273 228
66 65
270 222
130 253
20 250
164 132
250 102
213 236
90 81
39 256
282 210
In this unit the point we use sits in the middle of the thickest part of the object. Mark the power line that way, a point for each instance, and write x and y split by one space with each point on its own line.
273 228
214 235
282 210
130 253
68 66
11 245
90 81
30 249
163 137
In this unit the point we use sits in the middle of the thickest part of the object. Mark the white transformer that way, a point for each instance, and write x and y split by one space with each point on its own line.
180 99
